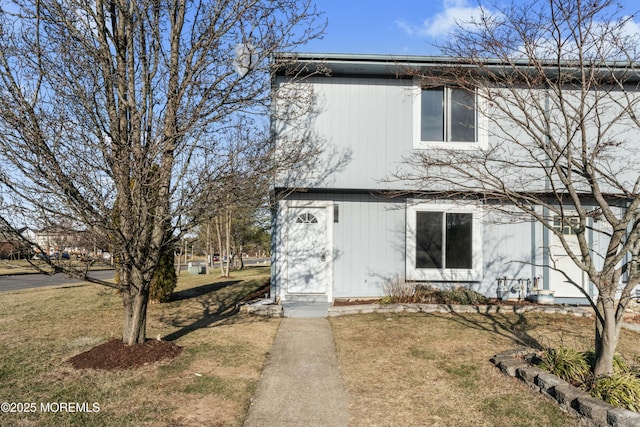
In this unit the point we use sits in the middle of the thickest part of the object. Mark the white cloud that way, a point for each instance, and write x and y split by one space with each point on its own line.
602 41
455 12
631 28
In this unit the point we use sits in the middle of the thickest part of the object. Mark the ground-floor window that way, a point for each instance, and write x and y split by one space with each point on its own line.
443 242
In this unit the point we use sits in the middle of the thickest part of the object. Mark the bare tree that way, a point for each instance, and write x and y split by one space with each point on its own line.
556 86
122 100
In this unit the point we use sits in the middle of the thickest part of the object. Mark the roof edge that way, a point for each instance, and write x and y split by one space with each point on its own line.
389 64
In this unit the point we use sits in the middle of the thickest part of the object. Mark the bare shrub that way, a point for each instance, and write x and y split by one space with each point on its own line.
397 290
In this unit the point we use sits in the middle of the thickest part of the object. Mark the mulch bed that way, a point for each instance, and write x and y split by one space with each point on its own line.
115 355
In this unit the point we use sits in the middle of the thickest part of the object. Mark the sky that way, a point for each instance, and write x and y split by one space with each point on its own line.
401 27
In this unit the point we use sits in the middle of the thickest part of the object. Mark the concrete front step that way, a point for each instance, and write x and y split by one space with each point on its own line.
307 298
305 309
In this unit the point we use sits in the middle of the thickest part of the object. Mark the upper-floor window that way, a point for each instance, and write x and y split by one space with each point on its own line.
447 116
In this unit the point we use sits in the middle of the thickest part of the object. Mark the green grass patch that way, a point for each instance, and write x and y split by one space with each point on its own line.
209 385
465 376
225 388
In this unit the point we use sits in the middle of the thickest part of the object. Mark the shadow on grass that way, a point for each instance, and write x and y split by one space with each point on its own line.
503 324
201 290
219 302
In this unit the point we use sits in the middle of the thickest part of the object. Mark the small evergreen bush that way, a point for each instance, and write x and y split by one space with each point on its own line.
463 296
458 295
164 279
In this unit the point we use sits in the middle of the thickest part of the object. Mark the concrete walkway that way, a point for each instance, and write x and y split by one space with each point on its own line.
301 383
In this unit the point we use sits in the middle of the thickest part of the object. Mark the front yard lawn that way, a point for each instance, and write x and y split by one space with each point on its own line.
434 369
210 383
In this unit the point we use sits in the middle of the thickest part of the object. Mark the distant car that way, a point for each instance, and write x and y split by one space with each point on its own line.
65 255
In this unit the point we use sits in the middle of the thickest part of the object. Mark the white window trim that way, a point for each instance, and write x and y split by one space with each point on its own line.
444 274
481 126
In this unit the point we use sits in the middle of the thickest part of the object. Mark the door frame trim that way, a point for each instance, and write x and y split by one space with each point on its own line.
328 268
553 242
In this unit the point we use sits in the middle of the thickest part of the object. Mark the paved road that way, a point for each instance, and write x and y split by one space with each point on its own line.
28 281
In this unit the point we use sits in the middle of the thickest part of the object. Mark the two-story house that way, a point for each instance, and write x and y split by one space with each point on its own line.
344 227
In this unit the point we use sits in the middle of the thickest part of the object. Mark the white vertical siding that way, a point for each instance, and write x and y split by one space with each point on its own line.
369 242
509 250
366 121
369 247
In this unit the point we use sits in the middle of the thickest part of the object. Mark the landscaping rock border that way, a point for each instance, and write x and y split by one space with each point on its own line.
591 411
265 308
271 309
457 308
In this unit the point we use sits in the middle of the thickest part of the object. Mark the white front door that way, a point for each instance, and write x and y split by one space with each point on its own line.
561 261
307 254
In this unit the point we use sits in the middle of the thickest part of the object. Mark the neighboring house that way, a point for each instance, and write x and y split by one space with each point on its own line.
57 240
12 247
341 229
48 241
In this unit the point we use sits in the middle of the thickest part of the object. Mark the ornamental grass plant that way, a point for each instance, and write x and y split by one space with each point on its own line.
568 364
621 389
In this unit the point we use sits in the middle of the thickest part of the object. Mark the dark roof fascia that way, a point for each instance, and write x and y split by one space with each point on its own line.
614 199
353 64
285 192
400 66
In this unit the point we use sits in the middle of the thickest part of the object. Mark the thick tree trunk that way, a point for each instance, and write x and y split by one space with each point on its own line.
607 334
135 300
135 319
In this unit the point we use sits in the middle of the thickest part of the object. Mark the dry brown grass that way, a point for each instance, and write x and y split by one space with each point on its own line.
401 370
210 383
8 267
416 370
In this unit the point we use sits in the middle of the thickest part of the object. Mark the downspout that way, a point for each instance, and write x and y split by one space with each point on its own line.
275 232
273 289
590 237
533 249
545 211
